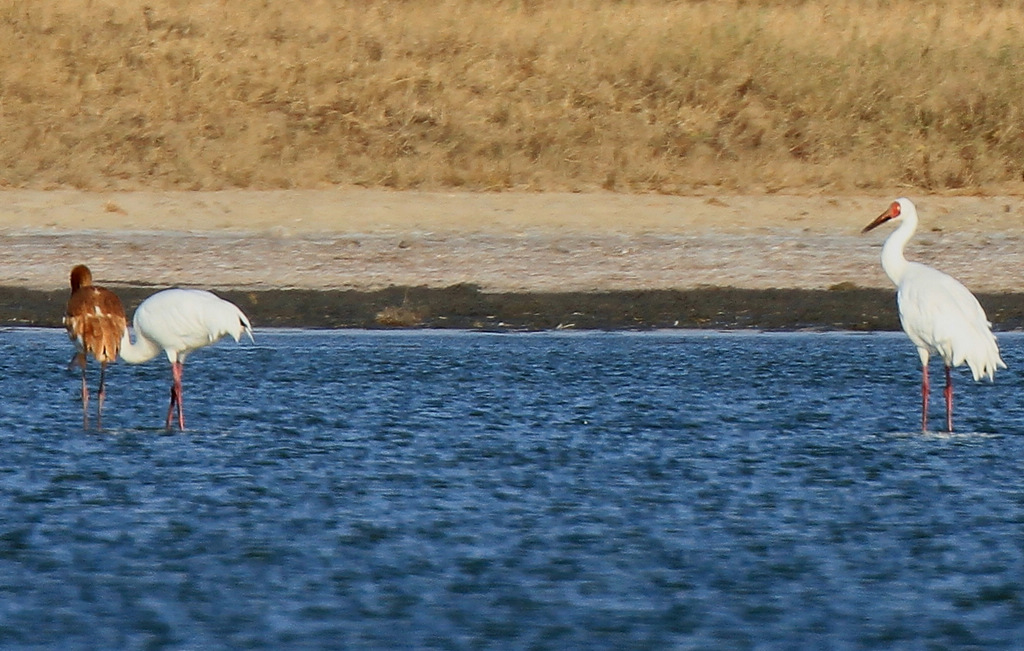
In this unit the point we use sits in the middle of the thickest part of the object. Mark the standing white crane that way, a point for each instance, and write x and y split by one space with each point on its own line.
179 321
940 315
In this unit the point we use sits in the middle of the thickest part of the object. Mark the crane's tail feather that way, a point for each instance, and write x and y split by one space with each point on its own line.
983 358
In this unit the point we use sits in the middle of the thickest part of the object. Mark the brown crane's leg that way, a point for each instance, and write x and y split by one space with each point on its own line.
85 400
102 394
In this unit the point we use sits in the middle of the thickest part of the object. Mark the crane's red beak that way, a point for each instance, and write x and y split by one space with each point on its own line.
893 211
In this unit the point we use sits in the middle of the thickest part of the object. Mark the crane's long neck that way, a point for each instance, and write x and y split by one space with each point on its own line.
893 261
141 351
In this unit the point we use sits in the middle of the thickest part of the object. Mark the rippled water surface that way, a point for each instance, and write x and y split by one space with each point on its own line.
465 491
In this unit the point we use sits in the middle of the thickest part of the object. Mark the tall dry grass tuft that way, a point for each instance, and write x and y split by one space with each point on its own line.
637 96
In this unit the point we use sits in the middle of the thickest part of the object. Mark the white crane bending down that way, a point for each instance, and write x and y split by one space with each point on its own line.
940 315
177 322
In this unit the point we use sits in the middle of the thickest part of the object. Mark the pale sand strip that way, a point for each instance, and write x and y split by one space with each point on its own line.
367 239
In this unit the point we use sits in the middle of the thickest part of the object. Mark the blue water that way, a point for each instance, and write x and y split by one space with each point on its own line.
548 491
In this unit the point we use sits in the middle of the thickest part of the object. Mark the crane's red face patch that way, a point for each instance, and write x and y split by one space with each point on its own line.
893 211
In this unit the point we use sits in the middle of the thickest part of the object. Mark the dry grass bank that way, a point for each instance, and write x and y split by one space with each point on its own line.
636 96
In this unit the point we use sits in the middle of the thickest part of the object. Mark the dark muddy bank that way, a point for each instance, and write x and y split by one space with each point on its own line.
465 306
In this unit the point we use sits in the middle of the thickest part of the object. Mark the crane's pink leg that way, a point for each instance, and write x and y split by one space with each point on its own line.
181 397
949 399
177 370
924 397
174 395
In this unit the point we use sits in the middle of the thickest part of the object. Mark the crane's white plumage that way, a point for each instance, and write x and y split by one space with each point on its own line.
177 322
943 318
939 314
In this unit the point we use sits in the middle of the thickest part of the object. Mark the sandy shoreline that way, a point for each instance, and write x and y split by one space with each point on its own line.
369 239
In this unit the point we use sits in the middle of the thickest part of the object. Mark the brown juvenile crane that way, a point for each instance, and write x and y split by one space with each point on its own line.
95 322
